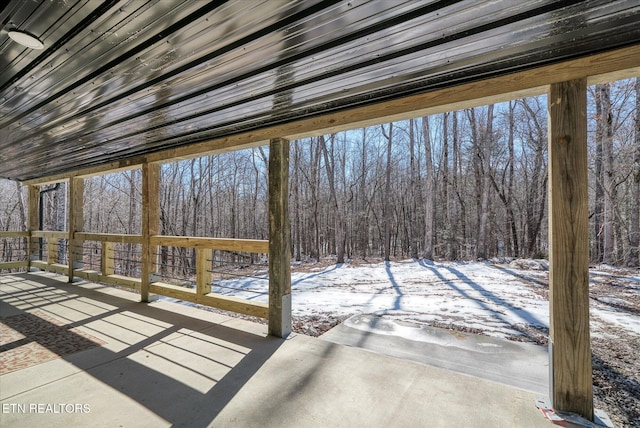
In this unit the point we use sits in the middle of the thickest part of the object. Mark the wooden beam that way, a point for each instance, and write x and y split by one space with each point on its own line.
14 234
123 281
56 267
226 303
203 270
107 255
224 244
33 194
106 168
50 234
150 223
52 251
570 348
174 291
39 264
76 224
88 274
12 265
279 240
234 304
119 280
110 237
612 65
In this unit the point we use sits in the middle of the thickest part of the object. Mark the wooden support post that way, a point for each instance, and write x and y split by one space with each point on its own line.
52 251
76 224
150 224
107 262
279 240
33 222
570 347
203 270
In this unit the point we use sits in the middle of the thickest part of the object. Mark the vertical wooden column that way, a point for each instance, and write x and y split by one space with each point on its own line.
107 265
76 223
150 223
570 346
33 222
52 251
203 272
279 240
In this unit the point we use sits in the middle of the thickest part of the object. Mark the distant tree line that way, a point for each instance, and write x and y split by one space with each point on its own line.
467 184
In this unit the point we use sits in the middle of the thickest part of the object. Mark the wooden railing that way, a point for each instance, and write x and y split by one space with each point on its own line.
52 241
204 253
204 248
14 264
107 273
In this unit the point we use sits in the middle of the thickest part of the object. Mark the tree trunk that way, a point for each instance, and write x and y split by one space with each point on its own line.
313 179
485 150
429 191
130 176
413 194
454 212
514 248
598 215
22 209
363 217
329 161
445 184
477 172
295 181
634 232
606 118
536 188
387 196
505 191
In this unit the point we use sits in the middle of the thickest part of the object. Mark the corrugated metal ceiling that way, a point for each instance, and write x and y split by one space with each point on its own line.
121 78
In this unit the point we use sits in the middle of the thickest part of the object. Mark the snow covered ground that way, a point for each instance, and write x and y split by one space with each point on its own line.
501 300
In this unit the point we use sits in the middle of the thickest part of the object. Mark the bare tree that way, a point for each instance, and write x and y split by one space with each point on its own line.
387 195
503 185
429 191
413 193
480 190
606 121
536 185
446 196
634 232
339 225
482 138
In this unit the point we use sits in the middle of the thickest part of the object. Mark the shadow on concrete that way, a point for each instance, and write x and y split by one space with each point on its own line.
200 365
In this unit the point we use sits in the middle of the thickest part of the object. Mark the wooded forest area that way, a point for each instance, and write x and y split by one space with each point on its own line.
462 185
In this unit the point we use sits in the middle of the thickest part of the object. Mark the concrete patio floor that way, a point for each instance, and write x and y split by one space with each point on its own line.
128 364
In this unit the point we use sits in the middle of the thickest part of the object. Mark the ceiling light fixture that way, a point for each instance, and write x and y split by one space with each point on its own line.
26 39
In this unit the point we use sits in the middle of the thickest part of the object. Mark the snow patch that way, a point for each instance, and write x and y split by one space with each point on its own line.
496 299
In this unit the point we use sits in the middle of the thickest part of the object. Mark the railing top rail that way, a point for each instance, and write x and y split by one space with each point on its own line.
109 237
52 234
225 244
13 234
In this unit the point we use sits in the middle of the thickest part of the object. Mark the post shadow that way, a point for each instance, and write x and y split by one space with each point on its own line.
172 400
